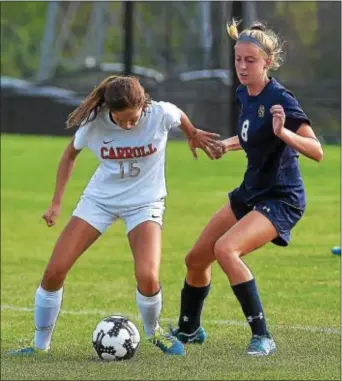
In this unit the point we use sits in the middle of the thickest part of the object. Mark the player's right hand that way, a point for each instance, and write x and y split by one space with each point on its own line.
51 214
206 141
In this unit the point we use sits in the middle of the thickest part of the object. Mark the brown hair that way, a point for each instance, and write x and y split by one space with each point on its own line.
267 38
115 92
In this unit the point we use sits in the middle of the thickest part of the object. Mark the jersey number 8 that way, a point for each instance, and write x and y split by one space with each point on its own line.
244 130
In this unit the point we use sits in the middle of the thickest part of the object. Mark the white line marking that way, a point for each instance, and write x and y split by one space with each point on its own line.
326 330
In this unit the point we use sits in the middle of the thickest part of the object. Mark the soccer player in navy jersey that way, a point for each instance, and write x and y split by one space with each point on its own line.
272 130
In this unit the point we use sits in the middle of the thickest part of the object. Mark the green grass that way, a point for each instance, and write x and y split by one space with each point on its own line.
300 285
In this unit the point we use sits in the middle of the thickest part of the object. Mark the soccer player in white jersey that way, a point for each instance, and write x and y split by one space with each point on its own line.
127 132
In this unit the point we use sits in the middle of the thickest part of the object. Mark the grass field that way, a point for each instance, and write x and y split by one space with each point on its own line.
300 285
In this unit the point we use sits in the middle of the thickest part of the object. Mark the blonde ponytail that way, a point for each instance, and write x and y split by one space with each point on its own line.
232 29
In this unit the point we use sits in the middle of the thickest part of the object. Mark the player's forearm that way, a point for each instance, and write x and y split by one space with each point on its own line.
308 147
64 172
187 127
232 144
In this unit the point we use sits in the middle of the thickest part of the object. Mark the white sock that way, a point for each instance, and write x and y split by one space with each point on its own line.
150 308
46 310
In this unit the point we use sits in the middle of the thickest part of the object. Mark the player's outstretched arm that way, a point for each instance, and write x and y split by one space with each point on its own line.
231 144
206 141
65 169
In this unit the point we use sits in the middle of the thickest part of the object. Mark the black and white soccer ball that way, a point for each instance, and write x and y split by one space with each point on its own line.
116 338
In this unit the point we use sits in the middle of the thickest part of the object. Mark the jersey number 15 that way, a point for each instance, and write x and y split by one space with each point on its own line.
131 171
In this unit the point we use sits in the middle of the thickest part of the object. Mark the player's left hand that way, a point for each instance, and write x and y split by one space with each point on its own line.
206 141
278 121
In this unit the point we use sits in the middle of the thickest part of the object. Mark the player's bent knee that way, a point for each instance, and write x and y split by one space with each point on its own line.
148 284
224 252
196 262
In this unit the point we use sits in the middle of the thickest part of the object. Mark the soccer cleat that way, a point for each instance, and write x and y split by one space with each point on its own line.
197 337
167 343
28 351
261 346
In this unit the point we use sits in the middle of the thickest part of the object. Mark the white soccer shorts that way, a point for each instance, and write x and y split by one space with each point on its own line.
101 217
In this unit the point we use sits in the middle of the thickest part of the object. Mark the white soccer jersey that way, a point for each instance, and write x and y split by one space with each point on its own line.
132 169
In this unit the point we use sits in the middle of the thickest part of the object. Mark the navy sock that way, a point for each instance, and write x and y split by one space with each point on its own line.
192 300
248 296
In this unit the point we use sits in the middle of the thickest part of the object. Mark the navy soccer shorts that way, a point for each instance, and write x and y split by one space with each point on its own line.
282 215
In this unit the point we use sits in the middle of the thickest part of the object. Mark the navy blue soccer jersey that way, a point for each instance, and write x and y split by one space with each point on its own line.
272 168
